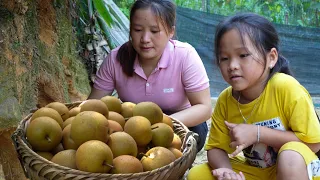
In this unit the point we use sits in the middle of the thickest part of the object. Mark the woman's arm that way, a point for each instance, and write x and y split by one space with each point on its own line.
218 158
98 94
199 111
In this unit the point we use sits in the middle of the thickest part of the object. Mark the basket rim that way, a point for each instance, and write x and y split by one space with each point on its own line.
18 136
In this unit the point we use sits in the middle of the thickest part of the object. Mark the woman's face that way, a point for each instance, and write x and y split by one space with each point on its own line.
149 36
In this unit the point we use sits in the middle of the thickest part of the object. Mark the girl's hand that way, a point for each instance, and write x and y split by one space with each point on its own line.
242 136
227 174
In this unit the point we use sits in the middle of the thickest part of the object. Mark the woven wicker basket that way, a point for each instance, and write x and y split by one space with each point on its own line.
38 168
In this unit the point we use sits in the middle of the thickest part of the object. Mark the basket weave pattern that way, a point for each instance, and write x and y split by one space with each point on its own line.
39 168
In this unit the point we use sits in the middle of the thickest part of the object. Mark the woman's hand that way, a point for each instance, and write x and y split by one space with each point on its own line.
227 174
242 136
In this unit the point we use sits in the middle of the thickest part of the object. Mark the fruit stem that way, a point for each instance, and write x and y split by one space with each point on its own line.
48 138
143 154
106 164
155 127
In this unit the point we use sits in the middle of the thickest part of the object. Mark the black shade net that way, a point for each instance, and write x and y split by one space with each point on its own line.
300 45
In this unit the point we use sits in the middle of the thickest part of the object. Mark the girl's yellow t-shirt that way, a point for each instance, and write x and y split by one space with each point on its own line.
284 105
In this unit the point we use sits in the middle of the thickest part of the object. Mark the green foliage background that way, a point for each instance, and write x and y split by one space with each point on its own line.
290 12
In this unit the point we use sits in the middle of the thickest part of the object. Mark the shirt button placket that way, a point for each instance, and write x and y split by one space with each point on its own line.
148 88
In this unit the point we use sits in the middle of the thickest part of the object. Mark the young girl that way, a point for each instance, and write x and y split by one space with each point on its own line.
153 67
264 125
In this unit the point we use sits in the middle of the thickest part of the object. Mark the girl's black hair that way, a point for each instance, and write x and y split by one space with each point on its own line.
165 10
262 34
260 31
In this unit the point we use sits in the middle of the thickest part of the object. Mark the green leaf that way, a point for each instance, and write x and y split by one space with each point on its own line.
278 8
103 11
238 2
300 22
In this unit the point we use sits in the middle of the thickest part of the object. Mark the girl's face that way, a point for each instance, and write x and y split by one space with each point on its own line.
149 36
241 65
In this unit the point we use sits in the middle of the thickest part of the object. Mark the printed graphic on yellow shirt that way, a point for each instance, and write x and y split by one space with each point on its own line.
261 155
314 168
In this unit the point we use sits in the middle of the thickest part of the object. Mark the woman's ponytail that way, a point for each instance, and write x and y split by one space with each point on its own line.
126 56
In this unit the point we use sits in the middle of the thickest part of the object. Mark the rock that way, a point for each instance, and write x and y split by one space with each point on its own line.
10 114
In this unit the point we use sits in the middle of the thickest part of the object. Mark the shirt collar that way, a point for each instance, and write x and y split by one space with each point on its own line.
167 55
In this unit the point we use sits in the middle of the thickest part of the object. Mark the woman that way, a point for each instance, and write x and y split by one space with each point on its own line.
153 67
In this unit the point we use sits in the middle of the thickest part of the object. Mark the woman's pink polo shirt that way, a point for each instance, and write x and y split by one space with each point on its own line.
179 70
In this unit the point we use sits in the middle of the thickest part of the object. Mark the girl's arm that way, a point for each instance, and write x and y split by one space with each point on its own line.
277 138
199 111
218 158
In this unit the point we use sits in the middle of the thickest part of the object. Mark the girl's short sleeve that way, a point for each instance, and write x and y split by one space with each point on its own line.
303 119
219 133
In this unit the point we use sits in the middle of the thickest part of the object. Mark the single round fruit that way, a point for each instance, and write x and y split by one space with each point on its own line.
176 142
61 108
48 112
66 158
121 143
149 110
126 164
167 120
114 127
176 152
162 135
67 141
89 125
126 109
44 133
95 105
114 116
140 129
113 103
157 157
94 156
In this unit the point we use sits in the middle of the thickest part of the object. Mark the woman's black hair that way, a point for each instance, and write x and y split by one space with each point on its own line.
165 10
260 31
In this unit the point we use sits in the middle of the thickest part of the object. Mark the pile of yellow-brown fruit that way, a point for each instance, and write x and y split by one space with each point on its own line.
104 136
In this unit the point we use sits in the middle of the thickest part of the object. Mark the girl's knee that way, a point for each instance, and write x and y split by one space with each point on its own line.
289 154
300 151
291 164
290 157
202 170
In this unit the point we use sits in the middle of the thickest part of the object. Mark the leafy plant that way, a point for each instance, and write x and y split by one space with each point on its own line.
291 12
125 6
